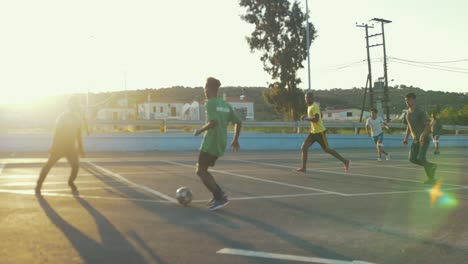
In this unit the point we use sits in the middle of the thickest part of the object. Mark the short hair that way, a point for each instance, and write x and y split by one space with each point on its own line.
213 84
309 93
374 110
74 102
411 95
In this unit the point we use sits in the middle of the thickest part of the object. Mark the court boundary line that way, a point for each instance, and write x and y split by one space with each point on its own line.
344 173
259 179
276 256
140 186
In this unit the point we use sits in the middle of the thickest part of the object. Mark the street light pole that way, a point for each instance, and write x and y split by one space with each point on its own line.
308 41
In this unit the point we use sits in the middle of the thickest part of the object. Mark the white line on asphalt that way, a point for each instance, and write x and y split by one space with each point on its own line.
260 179
143 187
407 167
12 184
260 254
31 192
343 173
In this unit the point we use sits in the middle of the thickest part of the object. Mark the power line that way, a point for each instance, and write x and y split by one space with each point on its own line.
430 67
452 61
432 64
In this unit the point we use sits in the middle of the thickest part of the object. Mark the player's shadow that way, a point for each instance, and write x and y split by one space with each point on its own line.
114 248
196 220
369 226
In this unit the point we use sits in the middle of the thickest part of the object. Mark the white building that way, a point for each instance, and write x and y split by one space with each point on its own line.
350 114
243 106
120 111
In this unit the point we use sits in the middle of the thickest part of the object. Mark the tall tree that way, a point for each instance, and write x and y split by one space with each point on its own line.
280 34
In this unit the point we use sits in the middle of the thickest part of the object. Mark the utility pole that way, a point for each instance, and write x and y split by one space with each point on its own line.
308 41
369 74
383 22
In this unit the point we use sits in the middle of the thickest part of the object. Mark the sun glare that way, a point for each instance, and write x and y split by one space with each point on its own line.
22 98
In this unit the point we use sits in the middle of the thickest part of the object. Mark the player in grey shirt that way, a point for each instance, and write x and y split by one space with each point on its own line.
418 126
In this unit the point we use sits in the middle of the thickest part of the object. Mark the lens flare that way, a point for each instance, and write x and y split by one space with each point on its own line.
440 198
435 193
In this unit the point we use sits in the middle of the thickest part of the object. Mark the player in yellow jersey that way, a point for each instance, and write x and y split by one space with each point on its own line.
317 134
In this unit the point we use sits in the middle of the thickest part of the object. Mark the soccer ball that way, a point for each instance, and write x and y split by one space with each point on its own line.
184 195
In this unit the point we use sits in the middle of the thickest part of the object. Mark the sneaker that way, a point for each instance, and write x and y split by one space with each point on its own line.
300 170
346 166
210 202
379 159
430 181
387 157
218 204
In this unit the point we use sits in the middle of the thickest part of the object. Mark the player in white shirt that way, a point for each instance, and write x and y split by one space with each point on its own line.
374 126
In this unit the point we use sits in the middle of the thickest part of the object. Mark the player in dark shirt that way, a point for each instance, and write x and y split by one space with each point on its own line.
418 126
67 143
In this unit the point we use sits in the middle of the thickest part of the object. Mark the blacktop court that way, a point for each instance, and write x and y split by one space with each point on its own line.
126 212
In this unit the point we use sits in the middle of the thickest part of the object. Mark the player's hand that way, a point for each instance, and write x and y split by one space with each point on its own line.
304 118
405 142
235 146
196 132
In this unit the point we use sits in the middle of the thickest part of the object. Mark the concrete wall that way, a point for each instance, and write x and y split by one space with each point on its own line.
148 142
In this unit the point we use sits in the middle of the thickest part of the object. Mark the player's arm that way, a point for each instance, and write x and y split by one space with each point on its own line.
235 140
405 140
79 140
209 125
368 130
211 116
386 125
316 118
234 118
427 128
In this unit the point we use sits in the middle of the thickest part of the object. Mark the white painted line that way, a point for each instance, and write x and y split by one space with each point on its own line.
143 187
12 184
407 167
260 179
260 254
31 192
347 174
403 192
267 197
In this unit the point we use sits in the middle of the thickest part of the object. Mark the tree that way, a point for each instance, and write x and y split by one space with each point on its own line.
280 34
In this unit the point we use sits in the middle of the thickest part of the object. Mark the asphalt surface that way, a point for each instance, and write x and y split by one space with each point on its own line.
380 212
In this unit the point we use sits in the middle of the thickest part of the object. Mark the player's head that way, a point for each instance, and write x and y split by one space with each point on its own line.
434 115
373 112
211 87
410 99
309 97
74 104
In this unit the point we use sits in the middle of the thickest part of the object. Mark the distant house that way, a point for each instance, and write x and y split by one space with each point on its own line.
349 114
119 111
243 106
166 108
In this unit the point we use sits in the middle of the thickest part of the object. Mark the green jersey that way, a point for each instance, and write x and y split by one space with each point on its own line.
215 139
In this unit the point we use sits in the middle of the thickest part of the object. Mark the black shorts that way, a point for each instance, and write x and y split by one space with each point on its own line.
321 138
206 159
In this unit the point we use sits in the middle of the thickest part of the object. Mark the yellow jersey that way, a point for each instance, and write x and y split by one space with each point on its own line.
315 127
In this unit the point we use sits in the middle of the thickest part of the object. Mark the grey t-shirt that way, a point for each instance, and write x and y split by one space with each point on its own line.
416 120
67 130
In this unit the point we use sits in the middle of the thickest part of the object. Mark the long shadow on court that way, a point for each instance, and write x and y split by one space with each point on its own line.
205 222
114 248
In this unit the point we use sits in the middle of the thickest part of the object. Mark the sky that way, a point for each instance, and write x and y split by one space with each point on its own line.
51 47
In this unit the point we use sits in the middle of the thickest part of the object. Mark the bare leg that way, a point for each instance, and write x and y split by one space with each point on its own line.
53 158
209 181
